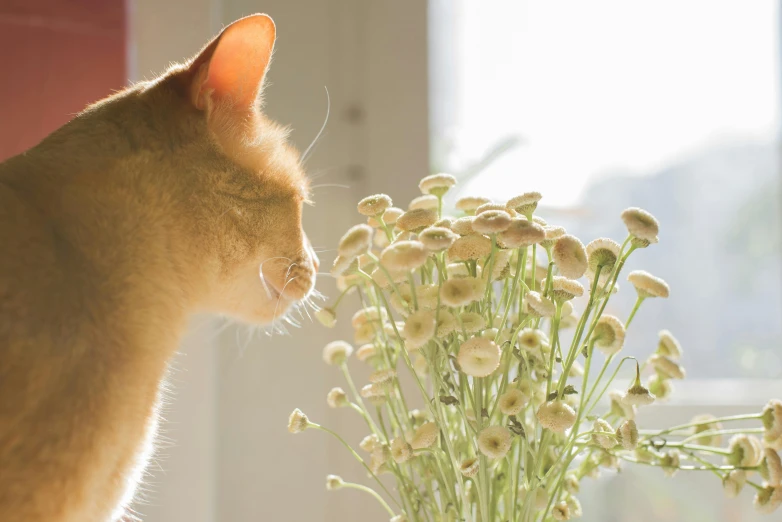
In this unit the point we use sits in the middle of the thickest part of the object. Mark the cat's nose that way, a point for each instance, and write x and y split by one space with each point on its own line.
292 280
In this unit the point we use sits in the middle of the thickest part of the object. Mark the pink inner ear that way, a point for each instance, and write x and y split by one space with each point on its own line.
238 64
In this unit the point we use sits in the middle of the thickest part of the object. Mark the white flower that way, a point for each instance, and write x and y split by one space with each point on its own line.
382 377
531 339
426 201
479 357
425 436
368 443
734 482
556 416
368 315
298 422
561 511
553 233
602 253
342 264
356 241
603 434
470 247
521 232
525 203
437 239
768 499
660 386
389 217
745 451
416 220
773 463
326 317
437 184
772 420
472 322
539 305
670 462
564 289
541 498
641 224
638 395
609 334
619 407
419 328
337 352
334 482
702 427
570 256
459 291
648 285
401 450
337 398
374 205
469 467
446 323
575 507
494 441
404 255
669 346
463 225
491 222
667 366
627 434
468 204
572 484
366 352
513 401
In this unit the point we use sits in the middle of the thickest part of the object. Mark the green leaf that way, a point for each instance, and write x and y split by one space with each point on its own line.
553 395
570 390
449 400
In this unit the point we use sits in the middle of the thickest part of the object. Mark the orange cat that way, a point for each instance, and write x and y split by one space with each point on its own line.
173 196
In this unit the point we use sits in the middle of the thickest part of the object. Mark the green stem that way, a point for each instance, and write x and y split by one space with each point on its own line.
370 491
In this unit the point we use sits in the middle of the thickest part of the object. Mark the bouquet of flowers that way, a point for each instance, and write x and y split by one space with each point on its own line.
479 311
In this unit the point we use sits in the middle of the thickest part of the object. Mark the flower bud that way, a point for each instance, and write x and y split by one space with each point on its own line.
416 220
437 184
491 222
469 467
437 239
670 462
768 499
368 443
627 435
669 346
734 482
326 317
745 451
470 247
401 451
513 401
468 204
648 285
609 334
297 422
478 357
356 241
667 366
337 398
641 224
494 441
556 416
706 440
374 205
427 201
561 511
460 291
337 352
334 482
419 328
570 256
404 255
602 253
425 436
525 203
521 233
603 434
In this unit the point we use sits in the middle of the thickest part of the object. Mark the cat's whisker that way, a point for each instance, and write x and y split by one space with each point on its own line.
309 149
329 185
282 292
263 277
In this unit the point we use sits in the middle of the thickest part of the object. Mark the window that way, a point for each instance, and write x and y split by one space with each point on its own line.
670 106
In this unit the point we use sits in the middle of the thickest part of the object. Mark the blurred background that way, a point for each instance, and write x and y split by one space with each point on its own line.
673 106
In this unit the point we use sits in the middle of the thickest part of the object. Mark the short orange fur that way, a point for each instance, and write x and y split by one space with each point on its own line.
157 202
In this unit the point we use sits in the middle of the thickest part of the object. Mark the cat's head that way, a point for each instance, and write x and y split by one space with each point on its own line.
248 185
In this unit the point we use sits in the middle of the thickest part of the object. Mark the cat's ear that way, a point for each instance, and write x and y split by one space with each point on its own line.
232 67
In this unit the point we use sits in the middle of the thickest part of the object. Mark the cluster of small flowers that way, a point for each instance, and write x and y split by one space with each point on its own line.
481 312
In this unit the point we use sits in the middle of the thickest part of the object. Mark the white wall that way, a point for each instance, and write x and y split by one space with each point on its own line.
231 457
